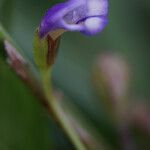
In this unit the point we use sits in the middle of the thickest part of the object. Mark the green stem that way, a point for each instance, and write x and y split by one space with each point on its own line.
58 113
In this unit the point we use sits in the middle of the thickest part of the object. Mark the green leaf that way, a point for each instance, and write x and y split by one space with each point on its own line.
40 51
45 50
24 124
3 34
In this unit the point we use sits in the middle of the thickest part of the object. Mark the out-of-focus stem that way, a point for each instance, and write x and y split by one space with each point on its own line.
57 113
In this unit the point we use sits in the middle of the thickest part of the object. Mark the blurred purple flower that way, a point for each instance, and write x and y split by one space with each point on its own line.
87 16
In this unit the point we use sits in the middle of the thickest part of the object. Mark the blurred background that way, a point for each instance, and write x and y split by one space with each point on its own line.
23 122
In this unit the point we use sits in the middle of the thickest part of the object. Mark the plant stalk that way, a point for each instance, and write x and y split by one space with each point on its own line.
57 112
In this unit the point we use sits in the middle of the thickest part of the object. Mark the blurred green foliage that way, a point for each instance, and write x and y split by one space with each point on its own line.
23 124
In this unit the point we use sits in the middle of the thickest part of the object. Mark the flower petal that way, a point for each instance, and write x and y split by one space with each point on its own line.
87 16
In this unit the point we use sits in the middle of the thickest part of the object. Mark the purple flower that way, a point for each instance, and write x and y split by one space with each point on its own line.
87 16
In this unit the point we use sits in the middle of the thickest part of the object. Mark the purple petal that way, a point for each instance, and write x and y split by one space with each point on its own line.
87 16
